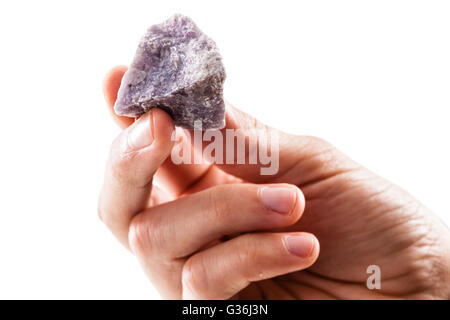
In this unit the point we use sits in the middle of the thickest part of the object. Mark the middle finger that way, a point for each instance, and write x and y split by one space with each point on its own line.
181 227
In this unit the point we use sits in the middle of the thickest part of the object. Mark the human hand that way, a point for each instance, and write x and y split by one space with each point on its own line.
225 231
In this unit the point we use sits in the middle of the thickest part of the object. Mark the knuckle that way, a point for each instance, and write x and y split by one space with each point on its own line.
121 161
220 203
247 254
328 155
137 235
144 234
247 257
121 169
194 277
319 142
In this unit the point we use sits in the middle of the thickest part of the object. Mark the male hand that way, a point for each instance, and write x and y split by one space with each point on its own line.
207 231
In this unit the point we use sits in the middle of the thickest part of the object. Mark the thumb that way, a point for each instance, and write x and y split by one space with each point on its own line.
135 156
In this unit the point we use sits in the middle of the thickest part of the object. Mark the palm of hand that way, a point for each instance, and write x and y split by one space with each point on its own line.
360 220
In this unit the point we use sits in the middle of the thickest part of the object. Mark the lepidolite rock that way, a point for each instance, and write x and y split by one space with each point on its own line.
179 69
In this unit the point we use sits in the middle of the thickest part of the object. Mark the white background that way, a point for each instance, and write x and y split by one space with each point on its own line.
373 77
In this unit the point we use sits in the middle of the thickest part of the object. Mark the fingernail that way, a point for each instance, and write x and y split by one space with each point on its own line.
141 132
300 245
279 199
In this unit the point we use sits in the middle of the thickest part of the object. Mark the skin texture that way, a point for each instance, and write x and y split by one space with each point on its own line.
206 232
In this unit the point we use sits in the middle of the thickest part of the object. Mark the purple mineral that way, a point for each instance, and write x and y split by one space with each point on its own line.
179 69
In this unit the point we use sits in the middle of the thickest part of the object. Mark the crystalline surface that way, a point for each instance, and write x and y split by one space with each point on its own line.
179 69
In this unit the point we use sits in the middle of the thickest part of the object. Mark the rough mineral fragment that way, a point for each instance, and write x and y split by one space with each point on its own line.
179 69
